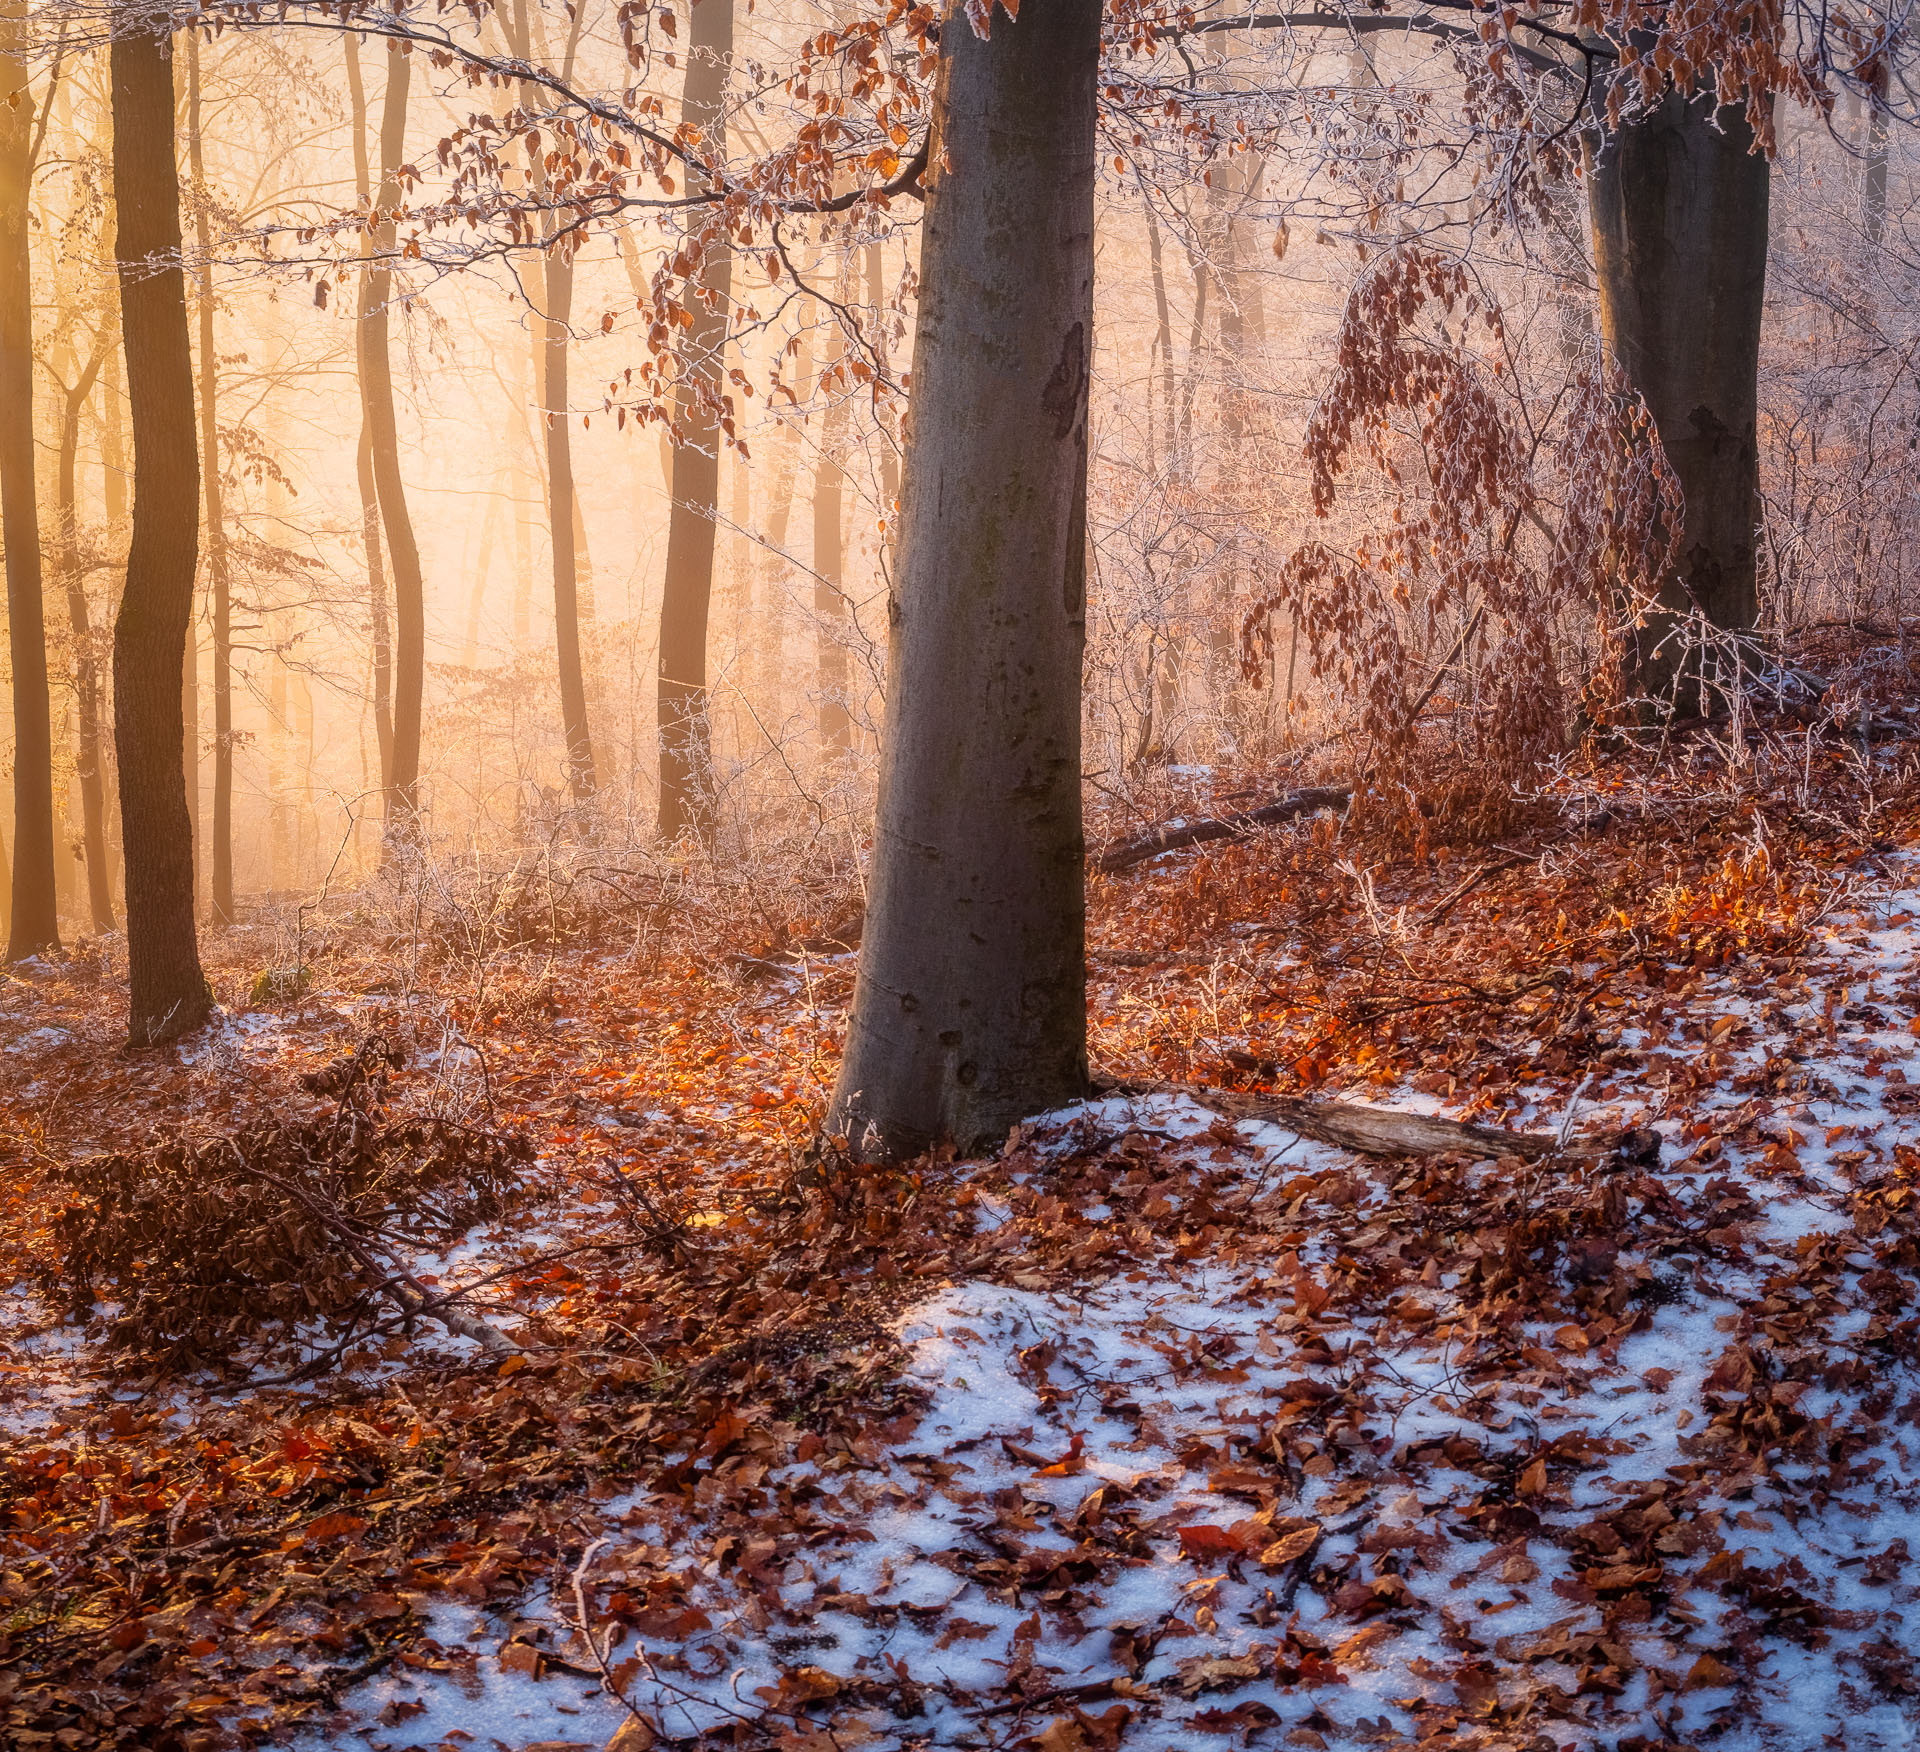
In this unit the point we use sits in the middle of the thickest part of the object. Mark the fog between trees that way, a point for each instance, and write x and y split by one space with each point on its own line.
551 387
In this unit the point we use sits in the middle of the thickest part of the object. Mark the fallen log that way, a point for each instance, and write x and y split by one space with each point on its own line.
1172 835
1370 1131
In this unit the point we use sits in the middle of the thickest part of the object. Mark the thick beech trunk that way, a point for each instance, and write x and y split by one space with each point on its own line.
35 923
168 994
376 390
971 1006
219 578
1679 210
686 740
86 657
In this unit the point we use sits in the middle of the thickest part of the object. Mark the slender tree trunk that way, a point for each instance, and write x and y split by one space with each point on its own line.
476 597
377 604
552 335
686 738
382 634
376 388
35 923
889 440
970 1011
168 994
1679 211
114 486
1873 178
219 583
562 518
830 618
86 661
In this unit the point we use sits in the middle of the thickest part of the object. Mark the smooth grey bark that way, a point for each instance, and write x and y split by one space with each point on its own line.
970 1011
686 737
35 922
167 992
1678 200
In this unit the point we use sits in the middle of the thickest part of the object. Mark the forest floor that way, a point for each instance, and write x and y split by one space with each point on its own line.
1155 1429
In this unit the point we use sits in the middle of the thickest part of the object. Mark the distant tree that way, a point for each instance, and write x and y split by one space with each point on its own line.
35 924
553 274
376 387
363 453
86 660
970 1010
219 569
686 748
168 993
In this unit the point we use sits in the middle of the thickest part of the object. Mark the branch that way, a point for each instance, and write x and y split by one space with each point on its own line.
1169 836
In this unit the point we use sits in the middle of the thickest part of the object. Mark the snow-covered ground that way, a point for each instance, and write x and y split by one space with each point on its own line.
1092 1514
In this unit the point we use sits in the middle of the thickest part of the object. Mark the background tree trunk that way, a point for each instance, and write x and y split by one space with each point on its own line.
970 1011
219 579
686 739
833 719
382 637
1679 212
552 335
35 923
168 994
562 517
86 664
376 386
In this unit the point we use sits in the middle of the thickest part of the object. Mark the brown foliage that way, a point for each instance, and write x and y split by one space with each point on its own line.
202 1244
1428 390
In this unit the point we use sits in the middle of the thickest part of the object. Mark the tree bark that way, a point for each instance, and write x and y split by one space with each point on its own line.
970 1010
363 453
686 737
561 518
86 662
1679 213
168 993
376 389
35 923
553 333
832 719
219 579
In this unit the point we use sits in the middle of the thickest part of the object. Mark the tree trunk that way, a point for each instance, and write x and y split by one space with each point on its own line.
970 1011
35 921
830 618
376 389
561 519
168 994
219 582
1679 211
363 454
686 737
86 661
377 607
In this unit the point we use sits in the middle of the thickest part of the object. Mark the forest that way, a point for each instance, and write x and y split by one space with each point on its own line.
1029 875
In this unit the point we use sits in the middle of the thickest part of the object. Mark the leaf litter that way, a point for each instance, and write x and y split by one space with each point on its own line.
1156 1430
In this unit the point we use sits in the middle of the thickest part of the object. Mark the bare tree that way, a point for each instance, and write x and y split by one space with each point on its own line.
970 1010
35 923
686 748
168 993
